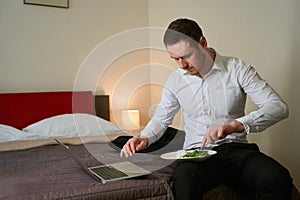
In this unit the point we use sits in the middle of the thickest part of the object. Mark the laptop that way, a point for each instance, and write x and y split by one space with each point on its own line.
108 172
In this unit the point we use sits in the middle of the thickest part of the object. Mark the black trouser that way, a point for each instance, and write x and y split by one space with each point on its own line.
241 166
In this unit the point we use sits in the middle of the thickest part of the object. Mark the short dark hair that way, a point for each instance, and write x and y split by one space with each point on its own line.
182 29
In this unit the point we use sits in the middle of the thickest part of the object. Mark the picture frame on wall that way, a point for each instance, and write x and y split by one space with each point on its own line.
52 3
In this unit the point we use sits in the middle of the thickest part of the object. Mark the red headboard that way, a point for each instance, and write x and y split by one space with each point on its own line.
22 109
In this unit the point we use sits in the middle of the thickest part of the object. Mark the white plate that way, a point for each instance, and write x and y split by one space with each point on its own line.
177 155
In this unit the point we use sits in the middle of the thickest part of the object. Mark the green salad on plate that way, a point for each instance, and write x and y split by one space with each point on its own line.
195 153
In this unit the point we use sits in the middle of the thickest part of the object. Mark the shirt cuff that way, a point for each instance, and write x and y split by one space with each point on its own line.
246 126
151 139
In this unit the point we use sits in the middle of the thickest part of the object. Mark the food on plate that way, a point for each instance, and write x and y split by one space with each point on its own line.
195 153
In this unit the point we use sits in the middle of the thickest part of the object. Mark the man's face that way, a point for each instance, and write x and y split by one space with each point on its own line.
188 57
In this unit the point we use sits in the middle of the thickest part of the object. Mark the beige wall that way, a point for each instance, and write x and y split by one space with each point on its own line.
44 49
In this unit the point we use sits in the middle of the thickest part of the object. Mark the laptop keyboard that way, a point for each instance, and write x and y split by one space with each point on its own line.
108 172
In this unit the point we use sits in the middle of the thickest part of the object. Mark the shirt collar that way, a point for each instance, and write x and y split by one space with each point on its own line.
218 64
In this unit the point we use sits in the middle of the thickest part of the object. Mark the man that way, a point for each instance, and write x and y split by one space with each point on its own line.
211 90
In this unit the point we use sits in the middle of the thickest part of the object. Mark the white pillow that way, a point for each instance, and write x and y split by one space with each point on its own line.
9 133
71 125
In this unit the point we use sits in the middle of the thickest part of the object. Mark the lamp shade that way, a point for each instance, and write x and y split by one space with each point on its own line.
131 119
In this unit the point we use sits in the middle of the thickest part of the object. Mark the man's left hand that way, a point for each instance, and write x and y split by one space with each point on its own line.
218 132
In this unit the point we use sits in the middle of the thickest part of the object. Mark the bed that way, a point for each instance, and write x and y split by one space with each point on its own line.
34 166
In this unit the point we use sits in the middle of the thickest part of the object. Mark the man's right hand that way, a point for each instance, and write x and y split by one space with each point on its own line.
133 145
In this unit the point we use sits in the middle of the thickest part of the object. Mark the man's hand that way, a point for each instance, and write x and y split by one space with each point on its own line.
215 133
132 145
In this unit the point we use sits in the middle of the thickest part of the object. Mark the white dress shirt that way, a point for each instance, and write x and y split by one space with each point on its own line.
217 98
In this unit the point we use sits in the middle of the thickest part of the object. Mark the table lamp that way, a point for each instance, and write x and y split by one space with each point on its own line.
131 120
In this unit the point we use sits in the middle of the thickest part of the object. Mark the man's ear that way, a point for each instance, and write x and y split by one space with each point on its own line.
202 41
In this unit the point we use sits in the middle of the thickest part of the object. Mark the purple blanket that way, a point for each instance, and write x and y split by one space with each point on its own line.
49 173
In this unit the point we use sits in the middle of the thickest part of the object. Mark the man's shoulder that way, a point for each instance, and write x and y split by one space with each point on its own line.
176 74
231 62
175 77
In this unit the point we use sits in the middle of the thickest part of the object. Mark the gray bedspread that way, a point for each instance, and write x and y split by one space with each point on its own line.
48 172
